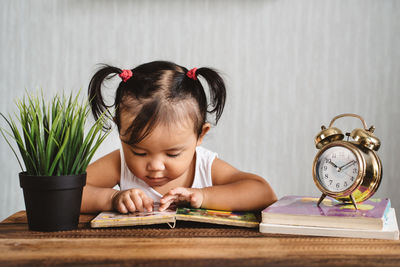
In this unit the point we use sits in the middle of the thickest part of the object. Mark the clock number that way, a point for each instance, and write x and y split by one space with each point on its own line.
354 170
337 185
325 168
345 184
352 178
334 155
326 176
330 182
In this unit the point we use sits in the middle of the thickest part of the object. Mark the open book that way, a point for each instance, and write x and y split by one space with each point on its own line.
170 216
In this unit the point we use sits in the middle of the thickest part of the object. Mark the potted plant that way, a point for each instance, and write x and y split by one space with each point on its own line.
56 151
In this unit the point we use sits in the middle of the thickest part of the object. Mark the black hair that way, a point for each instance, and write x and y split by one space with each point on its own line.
151 94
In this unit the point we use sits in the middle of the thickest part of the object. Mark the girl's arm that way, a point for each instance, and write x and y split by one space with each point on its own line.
236 190
102 176
231 190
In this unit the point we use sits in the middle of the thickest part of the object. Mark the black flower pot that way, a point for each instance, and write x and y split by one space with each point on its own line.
52 202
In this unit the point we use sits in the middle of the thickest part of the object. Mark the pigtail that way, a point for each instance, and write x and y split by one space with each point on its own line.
98 106
217 89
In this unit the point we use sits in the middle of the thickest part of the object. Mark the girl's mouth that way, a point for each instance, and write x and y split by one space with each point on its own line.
156 181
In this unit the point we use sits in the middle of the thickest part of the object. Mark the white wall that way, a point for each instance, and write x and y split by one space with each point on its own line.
290 67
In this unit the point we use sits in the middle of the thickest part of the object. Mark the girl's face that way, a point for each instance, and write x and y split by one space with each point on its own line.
165 154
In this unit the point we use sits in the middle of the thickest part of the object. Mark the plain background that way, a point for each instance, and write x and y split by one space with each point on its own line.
289 66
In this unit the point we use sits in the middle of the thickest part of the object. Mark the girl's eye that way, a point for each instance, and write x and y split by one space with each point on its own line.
139 154
173 155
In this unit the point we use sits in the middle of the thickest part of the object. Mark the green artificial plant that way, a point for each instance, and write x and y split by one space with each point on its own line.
52 139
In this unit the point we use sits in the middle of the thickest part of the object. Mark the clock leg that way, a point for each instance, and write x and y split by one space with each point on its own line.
320 199
353 201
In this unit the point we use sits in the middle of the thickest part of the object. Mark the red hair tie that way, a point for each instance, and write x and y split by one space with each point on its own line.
192 74
125 75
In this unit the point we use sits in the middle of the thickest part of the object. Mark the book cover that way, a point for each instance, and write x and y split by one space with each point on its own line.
115 219
390 230
303 211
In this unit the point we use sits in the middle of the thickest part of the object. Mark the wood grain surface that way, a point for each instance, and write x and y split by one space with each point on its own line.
193 244
293 251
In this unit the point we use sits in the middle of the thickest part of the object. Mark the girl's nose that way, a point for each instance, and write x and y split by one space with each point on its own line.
155 165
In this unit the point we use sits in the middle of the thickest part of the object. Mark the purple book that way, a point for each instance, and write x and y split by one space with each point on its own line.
303 210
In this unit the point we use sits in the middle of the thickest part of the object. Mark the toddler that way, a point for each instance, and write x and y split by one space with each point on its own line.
161 114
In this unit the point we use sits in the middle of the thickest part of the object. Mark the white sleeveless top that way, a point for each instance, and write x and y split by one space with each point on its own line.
202 175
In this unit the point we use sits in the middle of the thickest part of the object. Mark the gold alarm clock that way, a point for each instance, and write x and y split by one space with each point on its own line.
347 170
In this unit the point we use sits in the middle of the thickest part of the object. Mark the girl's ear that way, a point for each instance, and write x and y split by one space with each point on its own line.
206 127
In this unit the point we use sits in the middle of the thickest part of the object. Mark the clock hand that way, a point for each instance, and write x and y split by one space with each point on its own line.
348 164
334 165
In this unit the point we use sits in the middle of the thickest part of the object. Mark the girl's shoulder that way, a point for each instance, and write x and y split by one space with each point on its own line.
204 152
205 158
106 170
204 162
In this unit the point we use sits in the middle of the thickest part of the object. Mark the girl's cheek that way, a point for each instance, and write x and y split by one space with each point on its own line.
137 167
177 168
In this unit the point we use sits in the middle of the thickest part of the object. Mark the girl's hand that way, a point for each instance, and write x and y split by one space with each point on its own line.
131 200
194 196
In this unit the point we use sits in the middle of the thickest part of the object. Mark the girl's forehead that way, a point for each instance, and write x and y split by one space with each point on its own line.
173 130
165 120
167 136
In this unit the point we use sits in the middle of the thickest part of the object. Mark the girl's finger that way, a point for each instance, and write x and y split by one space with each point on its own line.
183 198
165 204
148 203
128 205
168 198
120 207
137 200
180 191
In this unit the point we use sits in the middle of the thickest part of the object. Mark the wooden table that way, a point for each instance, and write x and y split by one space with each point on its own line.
189 244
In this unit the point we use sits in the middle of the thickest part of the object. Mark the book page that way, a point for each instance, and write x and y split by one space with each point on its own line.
235 218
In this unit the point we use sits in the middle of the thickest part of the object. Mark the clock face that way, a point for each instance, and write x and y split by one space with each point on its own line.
337 169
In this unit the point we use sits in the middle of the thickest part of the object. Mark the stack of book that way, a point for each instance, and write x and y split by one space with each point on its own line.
300 215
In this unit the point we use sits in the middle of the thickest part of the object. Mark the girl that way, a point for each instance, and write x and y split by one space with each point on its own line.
160 112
